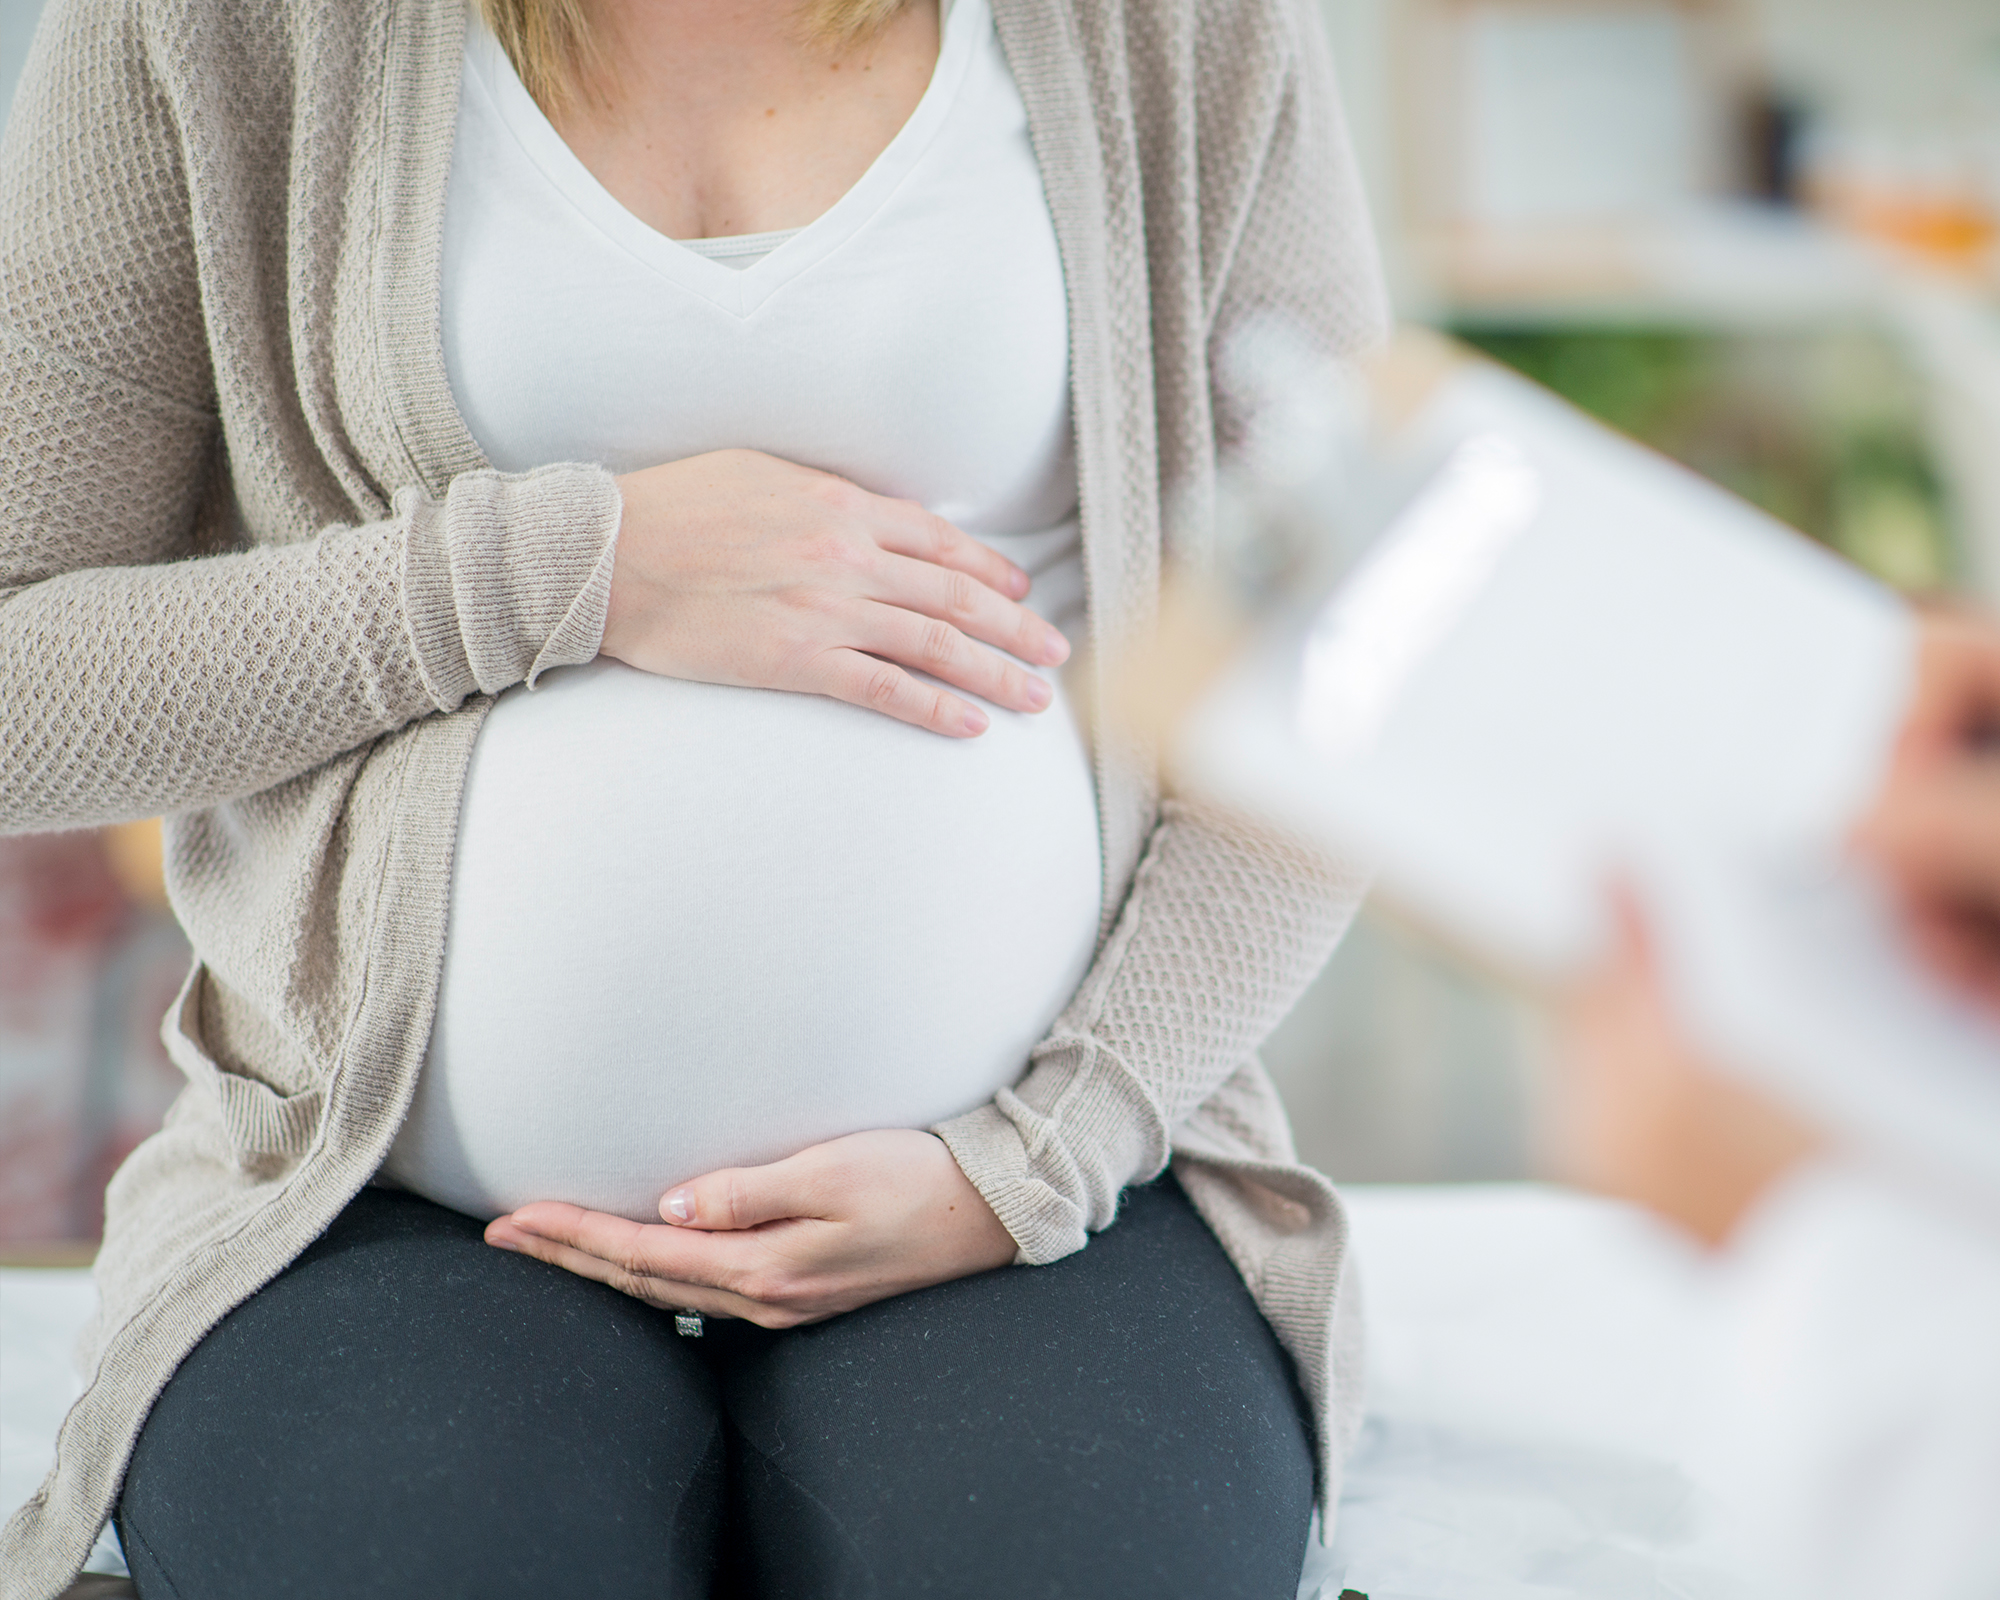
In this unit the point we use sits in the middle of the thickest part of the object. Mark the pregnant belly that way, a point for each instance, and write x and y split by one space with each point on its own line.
695 927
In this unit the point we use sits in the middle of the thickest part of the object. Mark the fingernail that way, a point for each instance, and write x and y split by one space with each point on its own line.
975 721
679 1206
1057 648
502 1244
1021 583
1039 694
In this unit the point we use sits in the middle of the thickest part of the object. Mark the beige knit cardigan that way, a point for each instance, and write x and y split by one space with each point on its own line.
256 574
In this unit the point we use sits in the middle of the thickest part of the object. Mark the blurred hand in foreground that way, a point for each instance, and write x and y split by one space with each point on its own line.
1935 831
1640 1115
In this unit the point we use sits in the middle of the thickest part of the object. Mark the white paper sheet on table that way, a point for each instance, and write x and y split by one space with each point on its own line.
1540 1365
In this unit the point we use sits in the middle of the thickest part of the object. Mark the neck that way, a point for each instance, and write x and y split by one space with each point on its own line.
730 116
710 56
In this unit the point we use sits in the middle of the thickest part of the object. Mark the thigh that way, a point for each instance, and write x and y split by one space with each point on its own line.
1122 1422
406 1410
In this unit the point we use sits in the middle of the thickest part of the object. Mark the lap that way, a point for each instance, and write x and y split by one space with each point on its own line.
1120 1422
406 1409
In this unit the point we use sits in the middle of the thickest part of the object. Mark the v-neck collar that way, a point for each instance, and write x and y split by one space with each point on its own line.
737 290
424 71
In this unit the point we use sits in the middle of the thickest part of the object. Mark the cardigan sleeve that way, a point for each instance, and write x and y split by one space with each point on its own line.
141 670
1226 922
1302 251
1225 926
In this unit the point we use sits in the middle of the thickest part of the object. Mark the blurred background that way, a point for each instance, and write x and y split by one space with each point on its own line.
1759 235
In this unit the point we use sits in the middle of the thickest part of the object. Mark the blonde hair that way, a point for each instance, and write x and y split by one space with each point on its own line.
551 46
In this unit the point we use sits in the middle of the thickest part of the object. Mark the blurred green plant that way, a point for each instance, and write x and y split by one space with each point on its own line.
1823 429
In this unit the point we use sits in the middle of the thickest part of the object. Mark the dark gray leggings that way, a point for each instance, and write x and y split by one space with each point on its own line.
405 1411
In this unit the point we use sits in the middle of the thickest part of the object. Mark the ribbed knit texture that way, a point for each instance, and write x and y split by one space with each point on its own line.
1143 1046
255 573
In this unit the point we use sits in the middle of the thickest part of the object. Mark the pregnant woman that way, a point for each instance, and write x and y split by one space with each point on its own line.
579 511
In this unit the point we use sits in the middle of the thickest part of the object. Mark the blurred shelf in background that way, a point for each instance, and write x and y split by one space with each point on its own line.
1848 386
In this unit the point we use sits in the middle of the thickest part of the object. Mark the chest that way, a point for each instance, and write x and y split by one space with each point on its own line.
713 120
913 337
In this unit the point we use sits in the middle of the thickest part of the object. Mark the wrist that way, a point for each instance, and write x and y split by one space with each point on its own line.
621 612
973 1219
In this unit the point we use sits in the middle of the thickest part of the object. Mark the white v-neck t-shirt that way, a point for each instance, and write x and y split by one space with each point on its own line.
695 926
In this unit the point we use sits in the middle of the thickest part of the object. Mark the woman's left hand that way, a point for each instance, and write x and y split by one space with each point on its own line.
836 1226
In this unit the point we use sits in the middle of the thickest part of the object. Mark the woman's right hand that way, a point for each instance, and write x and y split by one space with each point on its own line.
737 567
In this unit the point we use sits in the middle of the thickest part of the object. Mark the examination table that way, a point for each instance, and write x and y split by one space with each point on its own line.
1537 1376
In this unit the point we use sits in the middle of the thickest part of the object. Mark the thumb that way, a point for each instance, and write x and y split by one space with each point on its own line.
742 1197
